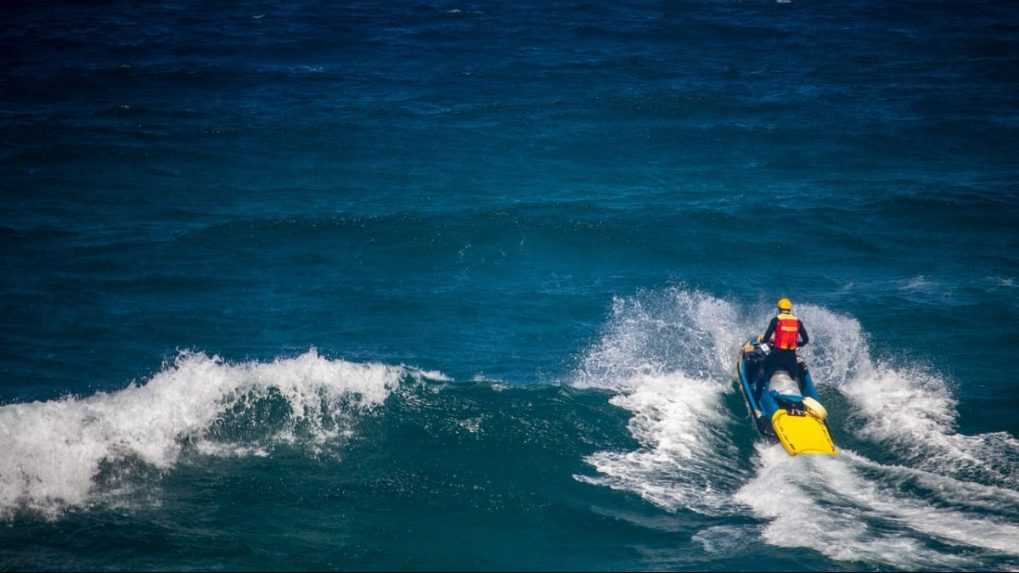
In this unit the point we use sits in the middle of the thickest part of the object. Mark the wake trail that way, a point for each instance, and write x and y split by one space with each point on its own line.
665 357
950 501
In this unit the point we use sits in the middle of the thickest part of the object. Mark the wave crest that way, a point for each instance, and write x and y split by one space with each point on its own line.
55 450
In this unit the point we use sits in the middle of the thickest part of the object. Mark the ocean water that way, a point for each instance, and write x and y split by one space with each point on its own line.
447 285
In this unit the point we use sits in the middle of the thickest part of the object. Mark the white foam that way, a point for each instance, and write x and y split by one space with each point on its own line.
471 425
53 450
668 354
723 540
682 461
669 357
657 333
837 352
792 494
434 375
923 290
944 490
831 506
903 406
912 411
1001 282
917 283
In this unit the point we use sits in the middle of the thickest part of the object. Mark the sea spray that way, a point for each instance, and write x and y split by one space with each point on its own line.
669 357
680 425
666 353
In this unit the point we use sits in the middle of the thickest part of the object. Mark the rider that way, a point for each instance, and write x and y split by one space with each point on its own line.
789 333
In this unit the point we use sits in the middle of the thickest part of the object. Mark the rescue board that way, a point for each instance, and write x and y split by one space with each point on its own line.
804 434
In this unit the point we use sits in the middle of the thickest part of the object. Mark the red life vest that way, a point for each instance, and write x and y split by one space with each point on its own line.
787 331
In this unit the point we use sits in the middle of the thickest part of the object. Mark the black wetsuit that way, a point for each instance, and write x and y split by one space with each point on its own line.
783 359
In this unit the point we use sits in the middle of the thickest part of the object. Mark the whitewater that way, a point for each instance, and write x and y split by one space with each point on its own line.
670 359
56 451
906 490
461 286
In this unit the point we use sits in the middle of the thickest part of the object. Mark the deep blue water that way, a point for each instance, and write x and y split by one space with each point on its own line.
456 285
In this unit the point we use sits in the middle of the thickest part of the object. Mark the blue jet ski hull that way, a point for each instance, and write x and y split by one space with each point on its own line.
792 415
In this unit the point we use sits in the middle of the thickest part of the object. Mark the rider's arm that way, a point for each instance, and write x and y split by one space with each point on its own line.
770 331
804 338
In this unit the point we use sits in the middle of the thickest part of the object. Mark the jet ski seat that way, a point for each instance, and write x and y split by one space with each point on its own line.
783 384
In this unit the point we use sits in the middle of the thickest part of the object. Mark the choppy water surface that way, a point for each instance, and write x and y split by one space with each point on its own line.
443 285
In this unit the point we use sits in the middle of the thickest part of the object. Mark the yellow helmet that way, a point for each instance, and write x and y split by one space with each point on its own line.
785 304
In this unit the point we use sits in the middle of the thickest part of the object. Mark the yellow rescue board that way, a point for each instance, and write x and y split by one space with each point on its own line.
802 434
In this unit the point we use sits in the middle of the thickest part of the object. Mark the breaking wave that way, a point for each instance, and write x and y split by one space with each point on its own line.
55 452
907 489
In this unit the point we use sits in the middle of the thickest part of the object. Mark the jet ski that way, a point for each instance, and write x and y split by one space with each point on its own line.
785 406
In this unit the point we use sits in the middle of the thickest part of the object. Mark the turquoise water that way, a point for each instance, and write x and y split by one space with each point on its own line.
461 286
